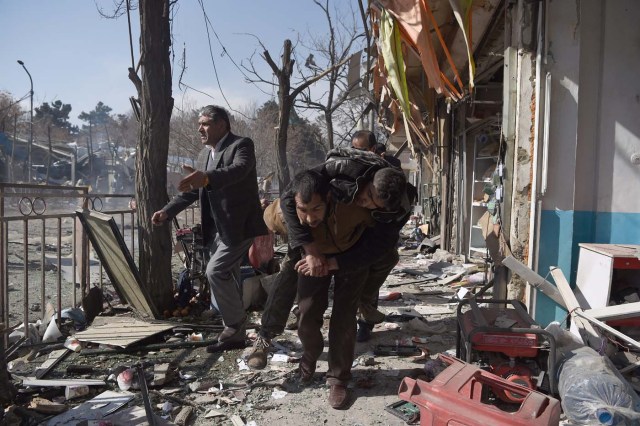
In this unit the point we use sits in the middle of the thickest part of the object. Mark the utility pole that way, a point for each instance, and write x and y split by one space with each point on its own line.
30 119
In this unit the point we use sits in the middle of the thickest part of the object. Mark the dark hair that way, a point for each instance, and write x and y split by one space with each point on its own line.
307 183
367 135
215 112
380 148
391 185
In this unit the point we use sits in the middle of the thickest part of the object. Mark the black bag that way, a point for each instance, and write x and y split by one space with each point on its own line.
185 291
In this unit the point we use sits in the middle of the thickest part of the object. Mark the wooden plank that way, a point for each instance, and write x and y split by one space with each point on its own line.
589 335
53 358
122 334
534 279
605 327
32 381
615 312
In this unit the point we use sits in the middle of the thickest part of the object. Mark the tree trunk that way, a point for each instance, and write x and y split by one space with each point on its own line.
328 119
285 103
153 148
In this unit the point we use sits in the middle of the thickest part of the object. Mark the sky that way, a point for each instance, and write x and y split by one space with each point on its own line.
80 58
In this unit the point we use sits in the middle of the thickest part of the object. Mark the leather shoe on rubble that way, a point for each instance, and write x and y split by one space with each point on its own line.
257 359
338 396
371 314
364 332
232 337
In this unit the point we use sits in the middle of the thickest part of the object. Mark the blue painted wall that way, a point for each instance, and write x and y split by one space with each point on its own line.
560 234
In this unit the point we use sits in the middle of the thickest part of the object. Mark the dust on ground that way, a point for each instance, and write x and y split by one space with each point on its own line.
219 383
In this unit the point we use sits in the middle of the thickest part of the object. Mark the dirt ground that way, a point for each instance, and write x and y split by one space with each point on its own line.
219 387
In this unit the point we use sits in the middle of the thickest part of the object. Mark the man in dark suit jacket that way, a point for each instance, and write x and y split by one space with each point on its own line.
225 183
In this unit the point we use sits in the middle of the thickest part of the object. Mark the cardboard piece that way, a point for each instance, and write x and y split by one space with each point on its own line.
117 260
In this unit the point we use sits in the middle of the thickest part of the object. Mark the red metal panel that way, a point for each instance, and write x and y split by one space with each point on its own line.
453 398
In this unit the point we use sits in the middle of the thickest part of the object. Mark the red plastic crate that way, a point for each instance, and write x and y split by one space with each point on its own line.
453 398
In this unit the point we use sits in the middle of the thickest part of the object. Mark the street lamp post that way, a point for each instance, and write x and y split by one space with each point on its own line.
30 119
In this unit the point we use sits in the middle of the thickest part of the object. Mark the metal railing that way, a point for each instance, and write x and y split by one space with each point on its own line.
40 219
33 218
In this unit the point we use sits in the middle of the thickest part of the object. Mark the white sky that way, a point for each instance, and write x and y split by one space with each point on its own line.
76 56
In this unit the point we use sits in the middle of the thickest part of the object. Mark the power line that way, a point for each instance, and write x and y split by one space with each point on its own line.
225 52
213 62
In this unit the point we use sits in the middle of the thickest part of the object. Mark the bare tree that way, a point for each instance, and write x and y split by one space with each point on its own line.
184 141
333 49
154 93
9 112
286 99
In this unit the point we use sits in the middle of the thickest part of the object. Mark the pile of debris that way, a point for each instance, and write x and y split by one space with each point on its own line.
454 353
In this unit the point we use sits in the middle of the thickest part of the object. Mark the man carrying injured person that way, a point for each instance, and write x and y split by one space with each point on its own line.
283 293
365 179
336 227
347 171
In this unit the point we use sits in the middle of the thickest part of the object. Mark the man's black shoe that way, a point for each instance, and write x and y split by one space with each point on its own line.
364 332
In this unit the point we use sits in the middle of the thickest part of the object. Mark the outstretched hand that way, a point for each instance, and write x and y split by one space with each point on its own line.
159 217
194 180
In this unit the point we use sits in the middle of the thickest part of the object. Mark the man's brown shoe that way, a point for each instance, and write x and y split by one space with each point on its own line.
257 359
338 396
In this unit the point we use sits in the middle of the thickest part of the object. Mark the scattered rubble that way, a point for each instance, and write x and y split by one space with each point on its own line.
120 367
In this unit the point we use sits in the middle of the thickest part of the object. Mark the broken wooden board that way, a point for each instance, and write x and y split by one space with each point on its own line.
43 405
588 333
117 260
94 409
580 313
43 383
53 358
450 279
615 312
535 280
121 334
423 310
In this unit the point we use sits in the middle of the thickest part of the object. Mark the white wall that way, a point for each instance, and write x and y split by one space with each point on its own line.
618 188
563 57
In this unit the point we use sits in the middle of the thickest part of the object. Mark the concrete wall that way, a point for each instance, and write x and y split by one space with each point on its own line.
593 186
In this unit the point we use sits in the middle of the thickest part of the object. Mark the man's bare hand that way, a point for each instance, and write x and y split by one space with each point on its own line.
313 266
194 180
159 217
